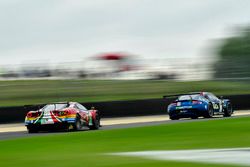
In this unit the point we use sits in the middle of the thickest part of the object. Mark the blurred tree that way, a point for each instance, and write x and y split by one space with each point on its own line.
234 56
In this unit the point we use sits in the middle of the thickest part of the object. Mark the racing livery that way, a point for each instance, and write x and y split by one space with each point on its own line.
194 105
62 115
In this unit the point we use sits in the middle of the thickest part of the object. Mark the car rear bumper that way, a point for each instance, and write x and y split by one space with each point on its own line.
186 113
48 127
48 121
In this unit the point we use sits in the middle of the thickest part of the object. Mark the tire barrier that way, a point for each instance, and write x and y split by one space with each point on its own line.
119 108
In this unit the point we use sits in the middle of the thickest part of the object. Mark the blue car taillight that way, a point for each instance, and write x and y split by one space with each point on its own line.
196 102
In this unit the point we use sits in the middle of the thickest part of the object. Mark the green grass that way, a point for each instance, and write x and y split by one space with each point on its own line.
88 148
15 93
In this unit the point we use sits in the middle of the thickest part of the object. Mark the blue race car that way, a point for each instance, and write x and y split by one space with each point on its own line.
198 104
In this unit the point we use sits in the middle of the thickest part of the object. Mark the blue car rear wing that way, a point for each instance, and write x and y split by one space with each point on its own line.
176 95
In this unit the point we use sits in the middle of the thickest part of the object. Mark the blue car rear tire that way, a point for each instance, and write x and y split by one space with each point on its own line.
210 111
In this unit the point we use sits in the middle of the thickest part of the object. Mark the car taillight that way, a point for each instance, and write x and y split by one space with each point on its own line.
29 115
33 114
196 102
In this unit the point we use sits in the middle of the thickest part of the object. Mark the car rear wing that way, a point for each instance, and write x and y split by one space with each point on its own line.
64 102
33 107
186 94
174 95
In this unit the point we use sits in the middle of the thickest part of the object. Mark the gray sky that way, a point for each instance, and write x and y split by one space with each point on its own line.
65 30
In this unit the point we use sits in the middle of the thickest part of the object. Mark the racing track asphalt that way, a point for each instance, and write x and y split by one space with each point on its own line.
12 131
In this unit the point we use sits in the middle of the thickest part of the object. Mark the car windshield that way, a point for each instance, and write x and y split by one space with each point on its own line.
55 106
212 97
188 97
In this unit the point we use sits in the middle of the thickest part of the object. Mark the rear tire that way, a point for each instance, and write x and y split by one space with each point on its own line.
210 111
32 130
194 117
228 111
77 125
174 118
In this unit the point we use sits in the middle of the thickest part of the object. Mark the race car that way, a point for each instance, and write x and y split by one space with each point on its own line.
198 104
62 115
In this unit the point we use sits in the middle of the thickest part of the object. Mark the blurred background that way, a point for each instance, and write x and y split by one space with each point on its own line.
115 52
139 39
123 40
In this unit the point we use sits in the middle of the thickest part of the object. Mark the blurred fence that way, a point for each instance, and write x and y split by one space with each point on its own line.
119 108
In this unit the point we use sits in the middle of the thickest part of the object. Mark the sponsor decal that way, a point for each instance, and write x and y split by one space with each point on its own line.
215 106
184 107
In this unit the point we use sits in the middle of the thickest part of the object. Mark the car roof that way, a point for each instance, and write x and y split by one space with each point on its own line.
201 93
62 102
65 102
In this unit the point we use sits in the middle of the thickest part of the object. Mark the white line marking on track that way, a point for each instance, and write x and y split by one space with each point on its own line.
236 156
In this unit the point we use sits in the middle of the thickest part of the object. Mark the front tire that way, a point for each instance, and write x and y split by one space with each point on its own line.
228 111
96 123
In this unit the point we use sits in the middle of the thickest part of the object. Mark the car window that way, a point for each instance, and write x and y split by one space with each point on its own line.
202 98
81 107
212 97
188 97
74 106
50 107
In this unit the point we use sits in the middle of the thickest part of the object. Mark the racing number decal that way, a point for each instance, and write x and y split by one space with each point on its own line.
216 106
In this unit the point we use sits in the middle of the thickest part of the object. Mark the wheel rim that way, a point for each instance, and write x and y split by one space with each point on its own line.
210 112
78 126
229 109
97 122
